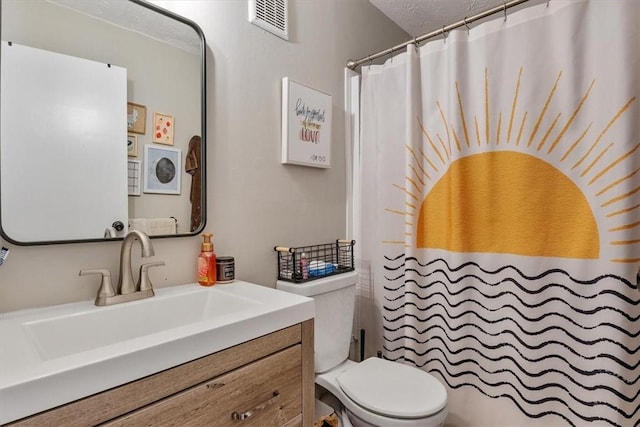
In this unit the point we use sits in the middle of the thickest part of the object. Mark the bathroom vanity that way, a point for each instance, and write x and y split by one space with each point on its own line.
253 363
267 381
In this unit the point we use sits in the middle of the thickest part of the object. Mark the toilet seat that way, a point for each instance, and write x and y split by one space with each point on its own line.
392 389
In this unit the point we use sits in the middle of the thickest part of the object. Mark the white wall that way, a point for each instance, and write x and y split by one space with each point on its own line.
254 202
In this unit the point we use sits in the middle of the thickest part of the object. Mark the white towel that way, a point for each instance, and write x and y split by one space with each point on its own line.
154 226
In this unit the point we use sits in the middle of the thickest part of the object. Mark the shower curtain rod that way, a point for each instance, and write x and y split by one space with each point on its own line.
445 29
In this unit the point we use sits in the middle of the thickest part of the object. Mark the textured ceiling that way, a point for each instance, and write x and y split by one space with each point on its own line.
139 19
419 17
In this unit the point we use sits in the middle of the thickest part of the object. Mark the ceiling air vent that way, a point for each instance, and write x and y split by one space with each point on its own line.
271 15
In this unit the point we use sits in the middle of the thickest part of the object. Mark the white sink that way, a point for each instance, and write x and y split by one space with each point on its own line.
54 355
71 331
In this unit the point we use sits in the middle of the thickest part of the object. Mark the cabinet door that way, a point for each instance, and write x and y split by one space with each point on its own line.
264 393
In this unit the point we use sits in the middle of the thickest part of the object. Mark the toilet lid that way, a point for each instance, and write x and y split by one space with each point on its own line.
392 389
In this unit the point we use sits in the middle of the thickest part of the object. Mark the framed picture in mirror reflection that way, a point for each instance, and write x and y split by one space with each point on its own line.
132 146
163 129
162 169
133 177
136 118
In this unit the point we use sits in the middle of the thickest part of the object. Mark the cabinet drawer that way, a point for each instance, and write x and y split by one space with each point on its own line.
266 392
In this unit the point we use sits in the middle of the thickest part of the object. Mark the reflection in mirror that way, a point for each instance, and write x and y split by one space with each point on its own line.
78 78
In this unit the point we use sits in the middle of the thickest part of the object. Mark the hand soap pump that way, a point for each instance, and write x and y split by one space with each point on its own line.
207 262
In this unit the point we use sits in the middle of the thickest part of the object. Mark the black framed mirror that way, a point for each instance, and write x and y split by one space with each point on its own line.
102 121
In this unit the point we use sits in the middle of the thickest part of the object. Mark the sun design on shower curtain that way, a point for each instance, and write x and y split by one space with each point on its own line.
532 193
534 190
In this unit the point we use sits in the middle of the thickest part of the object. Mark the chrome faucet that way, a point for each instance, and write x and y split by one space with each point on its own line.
127 289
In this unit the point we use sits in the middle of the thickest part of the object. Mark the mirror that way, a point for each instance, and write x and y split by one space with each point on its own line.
78 77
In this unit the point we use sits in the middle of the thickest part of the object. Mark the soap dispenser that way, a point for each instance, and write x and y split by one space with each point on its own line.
207 262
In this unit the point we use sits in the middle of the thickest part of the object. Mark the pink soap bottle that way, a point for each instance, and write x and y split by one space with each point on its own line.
207 262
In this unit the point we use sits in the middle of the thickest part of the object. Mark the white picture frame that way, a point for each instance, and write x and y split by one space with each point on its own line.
162 169
306 125
134 174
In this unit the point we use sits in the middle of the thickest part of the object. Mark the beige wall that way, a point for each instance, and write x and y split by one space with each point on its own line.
254 202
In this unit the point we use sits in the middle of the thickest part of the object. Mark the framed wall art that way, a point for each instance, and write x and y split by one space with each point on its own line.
136 118
133 177
162 169
306 125
132 146
163 129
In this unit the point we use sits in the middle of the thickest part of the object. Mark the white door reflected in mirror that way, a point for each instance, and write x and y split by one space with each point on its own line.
69 112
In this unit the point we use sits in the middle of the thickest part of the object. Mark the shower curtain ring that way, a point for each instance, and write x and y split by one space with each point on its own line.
444 33
504 5
466 25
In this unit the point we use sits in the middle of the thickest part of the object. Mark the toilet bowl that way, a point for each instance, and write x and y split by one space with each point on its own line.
375 392
378 392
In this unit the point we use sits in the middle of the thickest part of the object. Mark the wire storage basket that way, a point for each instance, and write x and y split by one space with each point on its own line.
305 263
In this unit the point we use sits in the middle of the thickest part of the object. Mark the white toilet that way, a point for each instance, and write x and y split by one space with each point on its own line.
374 392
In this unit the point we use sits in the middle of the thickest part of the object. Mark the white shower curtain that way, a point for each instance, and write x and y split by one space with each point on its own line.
500 214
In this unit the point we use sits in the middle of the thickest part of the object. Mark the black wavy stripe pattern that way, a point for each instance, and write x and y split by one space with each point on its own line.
552 344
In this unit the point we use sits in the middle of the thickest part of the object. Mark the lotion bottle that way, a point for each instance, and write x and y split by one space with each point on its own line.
207 262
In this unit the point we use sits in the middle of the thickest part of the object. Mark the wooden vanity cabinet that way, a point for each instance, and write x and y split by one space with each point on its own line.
268 381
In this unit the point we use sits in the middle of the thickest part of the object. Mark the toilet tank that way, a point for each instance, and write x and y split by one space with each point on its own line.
334 299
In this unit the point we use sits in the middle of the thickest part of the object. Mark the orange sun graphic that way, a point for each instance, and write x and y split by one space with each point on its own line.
503 190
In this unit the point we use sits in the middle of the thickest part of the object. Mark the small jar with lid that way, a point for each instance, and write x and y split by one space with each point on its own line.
225 269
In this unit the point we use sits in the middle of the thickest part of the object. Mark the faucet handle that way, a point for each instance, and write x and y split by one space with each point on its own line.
106 288
144 283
